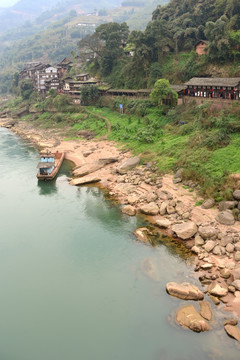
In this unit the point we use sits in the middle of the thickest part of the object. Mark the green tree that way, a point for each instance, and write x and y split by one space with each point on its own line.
26 88
89 95
234 39
163 94
218 37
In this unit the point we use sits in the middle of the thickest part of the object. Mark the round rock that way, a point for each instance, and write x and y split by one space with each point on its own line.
225 218
236 195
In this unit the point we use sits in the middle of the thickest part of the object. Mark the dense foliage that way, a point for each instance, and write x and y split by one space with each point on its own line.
174 30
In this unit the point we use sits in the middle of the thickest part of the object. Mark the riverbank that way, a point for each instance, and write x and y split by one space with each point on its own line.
171 207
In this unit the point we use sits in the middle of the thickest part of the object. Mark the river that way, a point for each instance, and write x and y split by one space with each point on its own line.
71 279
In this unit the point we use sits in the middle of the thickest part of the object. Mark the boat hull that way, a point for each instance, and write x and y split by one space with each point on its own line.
58 162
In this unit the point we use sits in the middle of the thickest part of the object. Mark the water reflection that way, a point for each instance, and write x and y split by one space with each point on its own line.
47 187
50 187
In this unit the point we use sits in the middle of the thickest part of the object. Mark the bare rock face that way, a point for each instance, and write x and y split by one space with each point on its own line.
129 210
207 232
185 230
189 317
85 180
185 291
150 209
217 289
232 331
205 310
128 164
163 223
225 218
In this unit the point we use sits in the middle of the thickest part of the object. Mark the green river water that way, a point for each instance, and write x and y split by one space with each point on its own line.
71 280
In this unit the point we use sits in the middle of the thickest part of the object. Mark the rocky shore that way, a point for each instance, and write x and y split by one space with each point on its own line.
210 231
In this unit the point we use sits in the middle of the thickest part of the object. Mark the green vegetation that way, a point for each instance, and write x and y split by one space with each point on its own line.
206 146
196 138
166 48
163 93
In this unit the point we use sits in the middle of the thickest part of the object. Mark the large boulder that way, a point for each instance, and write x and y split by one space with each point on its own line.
150 209
232 331
185 230
188 317
129 210
128 164
217 289
207 232
163 223
85 180
185 291
225 218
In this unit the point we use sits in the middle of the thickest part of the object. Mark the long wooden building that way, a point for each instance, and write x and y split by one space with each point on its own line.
221 88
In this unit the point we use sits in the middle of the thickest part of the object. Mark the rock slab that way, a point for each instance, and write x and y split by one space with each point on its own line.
232 331
189 317
85 180
185 291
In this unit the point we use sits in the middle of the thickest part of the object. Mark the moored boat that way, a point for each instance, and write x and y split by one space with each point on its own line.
49 165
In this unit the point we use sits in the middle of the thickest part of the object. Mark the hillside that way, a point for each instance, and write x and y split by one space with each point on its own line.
46 11
42 39
166 48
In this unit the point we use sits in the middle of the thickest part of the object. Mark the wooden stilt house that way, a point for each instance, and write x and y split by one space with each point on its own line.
221 88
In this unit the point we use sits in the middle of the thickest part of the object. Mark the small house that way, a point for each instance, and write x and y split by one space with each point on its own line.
83 77
201 47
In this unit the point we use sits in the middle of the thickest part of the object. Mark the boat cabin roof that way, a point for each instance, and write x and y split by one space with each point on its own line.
45 165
